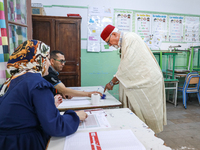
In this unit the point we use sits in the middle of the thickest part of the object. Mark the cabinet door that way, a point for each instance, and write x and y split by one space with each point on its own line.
68 41
43 30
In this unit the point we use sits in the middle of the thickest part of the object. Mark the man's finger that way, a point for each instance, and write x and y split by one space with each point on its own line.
104 89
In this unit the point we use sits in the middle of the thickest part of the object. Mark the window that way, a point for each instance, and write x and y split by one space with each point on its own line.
18 22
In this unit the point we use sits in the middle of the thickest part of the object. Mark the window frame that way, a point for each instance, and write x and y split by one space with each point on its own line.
28 17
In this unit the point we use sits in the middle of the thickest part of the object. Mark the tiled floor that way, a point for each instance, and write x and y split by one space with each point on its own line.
182 131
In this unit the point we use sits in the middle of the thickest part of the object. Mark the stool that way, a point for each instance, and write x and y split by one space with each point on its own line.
174 88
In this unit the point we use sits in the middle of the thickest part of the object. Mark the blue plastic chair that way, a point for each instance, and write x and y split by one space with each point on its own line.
191 85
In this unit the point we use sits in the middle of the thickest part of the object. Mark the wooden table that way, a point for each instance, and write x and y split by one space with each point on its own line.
109 102
119 119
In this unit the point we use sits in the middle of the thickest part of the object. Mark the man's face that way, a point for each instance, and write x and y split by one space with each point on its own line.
57 63
113 39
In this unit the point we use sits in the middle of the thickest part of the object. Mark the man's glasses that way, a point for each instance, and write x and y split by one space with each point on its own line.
108 42
62 61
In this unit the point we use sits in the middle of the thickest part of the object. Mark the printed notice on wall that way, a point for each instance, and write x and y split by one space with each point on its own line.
158 31
143 25
123 20
159 26
107 18
176 28
98 19
191 29
94 28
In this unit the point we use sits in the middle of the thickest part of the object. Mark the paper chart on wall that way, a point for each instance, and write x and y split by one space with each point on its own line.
159 31
107 18
103 140
98 18
176 28
93 33
123 20
143 25
94 28
104 22
191 29
159 26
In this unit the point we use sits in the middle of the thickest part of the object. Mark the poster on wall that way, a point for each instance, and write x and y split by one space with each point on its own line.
123 20
106 18
191 29
94 28
175 29
98 18
159 26
143 25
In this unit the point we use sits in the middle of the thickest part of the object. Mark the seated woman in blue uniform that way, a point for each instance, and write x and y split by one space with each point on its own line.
28 115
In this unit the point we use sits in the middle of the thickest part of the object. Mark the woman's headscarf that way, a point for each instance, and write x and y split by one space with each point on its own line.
30 56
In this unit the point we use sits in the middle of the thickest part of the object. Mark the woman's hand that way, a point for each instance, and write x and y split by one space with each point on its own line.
82 115
58 99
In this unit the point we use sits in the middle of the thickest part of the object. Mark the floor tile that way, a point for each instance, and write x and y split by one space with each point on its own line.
182 131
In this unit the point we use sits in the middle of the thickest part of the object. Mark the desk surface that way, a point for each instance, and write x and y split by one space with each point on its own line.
121 118
110 101
180 70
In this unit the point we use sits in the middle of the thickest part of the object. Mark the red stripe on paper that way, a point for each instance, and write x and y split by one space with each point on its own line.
94 141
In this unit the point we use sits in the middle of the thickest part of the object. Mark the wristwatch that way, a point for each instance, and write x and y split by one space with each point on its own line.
111 83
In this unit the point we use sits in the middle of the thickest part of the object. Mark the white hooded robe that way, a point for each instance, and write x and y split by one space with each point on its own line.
141 82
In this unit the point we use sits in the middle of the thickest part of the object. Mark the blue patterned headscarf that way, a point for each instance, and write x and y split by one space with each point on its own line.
30 56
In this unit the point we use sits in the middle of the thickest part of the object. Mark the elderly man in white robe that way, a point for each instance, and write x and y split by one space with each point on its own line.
141 83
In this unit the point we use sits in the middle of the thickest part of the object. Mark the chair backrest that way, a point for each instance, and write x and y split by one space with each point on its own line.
192 79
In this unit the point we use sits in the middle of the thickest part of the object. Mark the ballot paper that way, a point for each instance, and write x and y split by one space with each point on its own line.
78 98
75 88
75 101
103 140
95 119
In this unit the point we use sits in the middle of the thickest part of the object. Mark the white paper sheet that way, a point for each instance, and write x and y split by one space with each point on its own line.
78 98
96 119
104 140
75 101
75 88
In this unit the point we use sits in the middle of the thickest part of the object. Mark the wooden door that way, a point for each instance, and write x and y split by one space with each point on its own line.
44 30
68 41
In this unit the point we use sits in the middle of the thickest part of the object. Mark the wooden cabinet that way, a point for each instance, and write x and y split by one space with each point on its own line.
63 34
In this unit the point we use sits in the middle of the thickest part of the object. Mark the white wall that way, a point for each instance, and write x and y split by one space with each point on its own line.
170 6
99 68
175 6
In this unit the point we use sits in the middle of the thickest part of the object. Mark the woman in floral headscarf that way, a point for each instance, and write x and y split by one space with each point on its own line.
28 116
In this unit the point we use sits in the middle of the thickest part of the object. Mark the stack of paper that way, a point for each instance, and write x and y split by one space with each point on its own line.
103 140
95 119
75 101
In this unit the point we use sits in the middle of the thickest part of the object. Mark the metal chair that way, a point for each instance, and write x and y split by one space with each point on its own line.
191 85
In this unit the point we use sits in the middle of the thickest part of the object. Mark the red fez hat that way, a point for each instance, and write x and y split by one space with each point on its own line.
107 31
